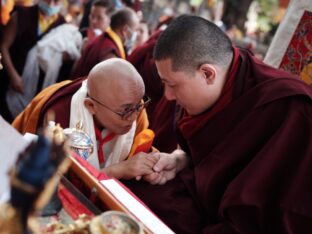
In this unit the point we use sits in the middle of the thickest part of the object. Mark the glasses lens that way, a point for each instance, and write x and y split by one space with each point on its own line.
128 114
138 108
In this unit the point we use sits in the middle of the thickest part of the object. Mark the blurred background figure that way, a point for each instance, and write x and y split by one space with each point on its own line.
47 58
142 35
25 28
98 15
85 20
99 19
74 11
37 52
115 42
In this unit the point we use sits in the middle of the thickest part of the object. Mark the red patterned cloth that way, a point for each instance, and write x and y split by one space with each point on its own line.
298 56
291 47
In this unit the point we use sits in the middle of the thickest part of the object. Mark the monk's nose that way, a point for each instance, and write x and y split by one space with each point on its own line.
169 94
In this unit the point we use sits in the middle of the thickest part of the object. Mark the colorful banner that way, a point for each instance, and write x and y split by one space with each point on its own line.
291 47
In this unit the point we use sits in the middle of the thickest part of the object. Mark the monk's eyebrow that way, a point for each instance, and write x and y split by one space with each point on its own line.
129 105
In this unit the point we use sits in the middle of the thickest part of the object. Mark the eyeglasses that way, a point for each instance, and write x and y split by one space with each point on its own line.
128 111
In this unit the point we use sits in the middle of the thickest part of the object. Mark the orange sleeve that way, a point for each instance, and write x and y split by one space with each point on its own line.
142 122
144 137
27 121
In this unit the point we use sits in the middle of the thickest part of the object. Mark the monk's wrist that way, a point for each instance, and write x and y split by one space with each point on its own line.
181 159
114 170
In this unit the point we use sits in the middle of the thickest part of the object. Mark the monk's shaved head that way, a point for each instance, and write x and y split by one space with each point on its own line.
190 41
114 88
113 77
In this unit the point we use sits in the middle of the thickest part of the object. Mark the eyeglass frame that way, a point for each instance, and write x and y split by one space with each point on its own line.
137 108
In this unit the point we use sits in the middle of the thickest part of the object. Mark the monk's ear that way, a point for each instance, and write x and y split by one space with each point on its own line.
124 31
89 104
209 73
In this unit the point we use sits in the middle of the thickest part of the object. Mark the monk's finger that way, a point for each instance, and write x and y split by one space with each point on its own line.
161 164
151 178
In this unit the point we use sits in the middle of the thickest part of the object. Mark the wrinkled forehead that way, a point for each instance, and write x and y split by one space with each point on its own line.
118 91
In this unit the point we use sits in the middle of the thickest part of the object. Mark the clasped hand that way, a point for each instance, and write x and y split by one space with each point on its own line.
155 167
166 167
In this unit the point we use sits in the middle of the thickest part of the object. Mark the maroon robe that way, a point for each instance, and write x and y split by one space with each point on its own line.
60 103
251 161
95 51
161 111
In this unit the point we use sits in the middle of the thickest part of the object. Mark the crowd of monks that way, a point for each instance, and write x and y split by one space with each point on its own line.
231 145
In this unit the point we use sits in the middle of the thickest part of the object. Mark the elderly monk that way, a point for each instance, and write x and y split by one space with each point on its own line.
109 104
113 43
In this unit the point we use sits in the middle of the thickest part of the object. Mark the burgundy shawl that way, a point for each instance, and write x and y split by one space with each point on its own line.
59 103
252 161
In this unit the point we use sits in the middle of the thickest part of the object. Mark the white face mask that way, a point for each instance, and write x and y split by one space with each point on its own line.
131 40
47 9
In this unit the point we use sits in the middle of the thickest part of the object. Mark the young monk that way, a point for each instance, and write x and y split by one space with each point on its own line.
245 128
99 19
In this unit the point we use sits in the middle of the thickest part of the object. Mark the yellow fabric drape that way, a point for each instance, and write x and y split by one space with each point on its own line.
142 142
45 22
6 8
118 42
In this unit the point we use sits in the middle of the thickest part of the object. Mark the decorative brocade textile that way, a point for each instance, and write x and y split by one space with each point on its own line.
298 56
291 48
